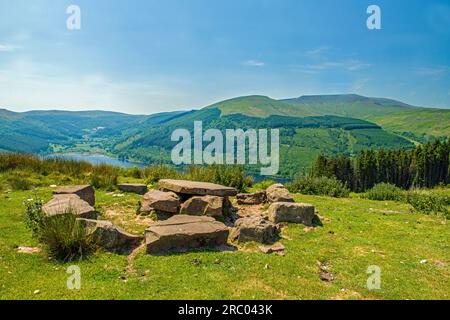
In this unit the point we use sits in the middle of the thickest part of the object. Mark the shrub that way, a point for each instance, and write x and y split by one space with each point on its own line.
105 177
135 172
64 238
319 186
153 174
33 214
231 176
428 203
385 191
18 183
263 185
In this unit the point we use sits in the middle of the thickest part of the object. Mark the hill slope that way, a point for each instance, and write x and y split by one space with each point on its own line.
34 131
302 139
392 115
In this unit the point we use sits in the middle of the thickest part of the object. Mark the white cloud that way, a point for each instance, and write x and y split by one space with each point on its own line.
347 65
360 84
254 63
433 71
7 47
317 52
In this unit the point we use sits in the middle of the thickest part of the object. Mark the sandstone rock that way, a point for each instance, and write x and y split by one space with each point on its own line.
138 188
110 237
196 188
256 229
203 206
85 192
291 212
278 193
160 201
183 232
251 198
277 248
69 203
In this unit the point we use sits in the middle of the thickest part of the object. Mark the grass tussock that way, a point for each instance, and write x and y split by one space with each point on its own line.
62 236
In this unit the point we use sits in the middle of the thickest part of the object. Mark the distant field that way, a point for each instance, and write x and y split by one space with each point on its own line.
412 251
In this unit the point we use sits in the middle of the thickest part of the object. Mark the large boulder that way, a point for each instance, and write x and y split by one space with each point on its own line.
167 202
110 237
292 212
251 198
85 192
255 228
212 206
182 232
195 188
278 193
69 203
138 188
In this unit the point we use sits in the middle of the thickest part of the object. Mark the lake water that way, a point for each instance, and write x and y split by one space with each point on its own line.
97 159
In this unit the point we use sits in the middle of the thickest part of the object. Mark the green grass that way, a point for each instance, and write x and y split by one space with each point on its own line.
356 233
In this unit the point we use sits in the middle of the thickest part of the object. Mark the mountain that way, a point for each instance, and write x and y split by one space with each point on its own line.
302 139
309 125
35 131
416 123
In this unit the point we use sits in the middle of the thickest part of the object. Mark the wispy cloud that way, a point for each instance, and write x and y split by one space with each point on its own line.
8 47
347 65
317 52
360 84
433 71
254 63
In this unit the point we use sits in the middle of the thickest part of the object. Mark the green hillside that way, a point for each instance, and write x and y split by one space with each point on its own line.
35 131
392 115
302 139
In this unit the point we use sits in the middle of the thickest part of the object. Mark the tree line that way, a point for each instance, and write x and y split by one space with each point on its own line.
425 166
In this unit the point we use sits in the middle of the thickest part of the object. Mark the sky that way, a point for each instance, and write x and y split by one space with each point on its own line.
148 56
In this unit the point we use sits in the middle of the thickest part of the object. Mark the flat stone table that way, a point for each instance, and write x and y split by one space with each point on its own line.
196 188
182 232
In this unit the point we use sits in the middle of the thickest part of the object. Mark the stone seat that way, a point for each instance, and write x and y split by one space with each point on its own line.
85 192
196 188
69 203
138 188
182 232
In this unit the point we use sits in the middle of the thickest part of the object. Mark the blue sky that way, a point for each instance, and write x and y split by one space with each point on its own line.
147 56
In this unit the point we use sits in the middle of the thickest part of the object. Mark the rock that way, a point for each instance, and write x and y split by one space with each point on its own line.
278 193
203 206
291 212
183 232
110 237
256 229
276 248
28 250
157 200
65 203
85 192
251 198
196 188
138 188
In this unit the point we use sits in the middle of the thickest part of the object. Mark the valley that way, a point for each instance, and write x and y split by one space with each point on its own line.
309 126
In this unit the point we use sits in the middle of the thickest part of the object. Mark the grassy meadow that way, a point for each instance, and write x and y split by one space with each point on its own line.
412 250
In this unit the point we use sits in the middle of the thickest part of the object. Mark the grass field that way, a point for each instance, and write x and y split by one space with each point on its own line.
412 250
